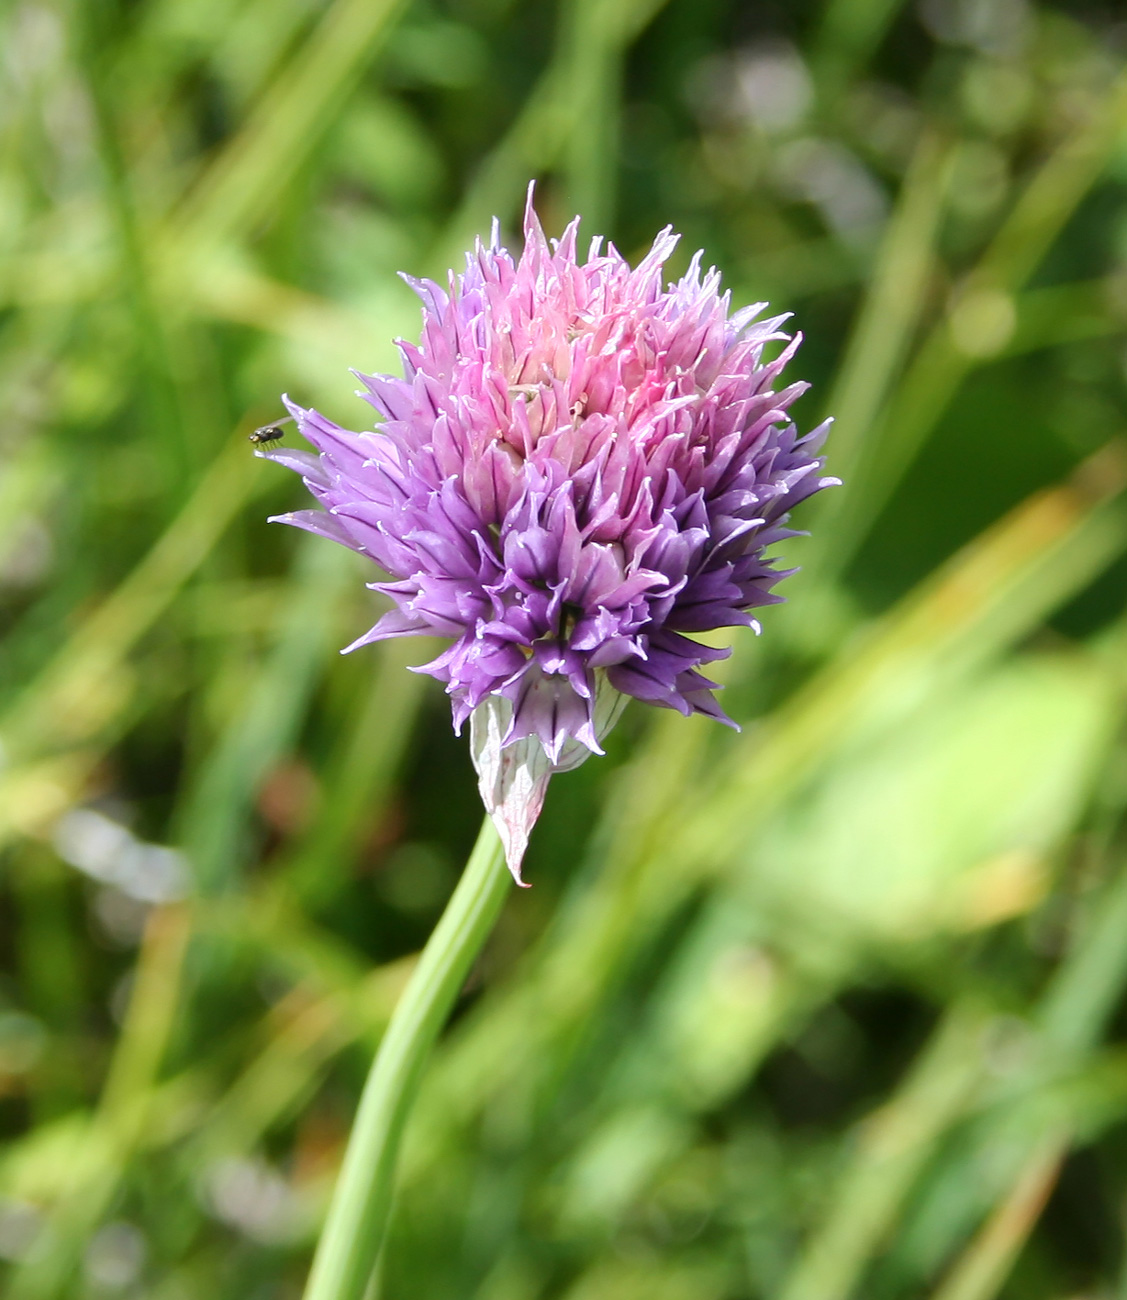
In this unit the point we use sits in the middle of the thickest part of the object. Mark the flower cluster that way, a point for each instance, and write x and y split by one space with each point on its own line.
579 470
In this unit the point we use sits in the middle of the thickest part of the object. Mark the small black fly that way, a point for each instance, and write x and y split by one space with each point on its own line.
269 433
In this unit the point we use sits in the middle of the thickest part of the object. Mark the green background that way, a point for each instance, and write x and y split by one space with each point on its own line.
832 1008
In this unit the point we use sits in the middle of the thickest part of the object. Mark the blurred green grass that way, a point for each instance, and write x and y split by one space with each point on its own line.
830 1009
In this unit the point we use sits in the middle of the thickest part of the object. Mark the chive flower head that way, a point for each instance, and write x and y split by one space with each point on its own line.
579 470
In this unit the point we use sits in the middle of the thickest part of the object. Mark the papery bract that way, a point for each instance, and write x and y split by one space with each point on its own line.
579 470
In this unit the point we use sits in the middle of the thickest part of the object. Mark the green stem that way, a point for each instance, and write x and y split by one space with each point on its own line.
358 1215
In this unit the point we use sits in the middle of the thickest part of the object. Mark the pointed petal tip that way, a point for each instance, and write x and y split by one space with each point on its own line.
512 779
514 815
515 846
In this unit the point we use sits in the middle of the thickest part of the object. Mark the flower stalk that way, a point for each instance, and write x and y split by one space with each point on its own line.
361 1203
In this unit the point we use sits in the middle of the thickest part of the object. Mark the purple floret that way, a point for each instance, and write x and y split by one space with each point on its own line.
579 470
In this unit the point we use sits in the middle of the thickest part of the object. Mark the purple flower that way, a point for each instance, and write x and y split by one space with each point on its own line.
579 470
